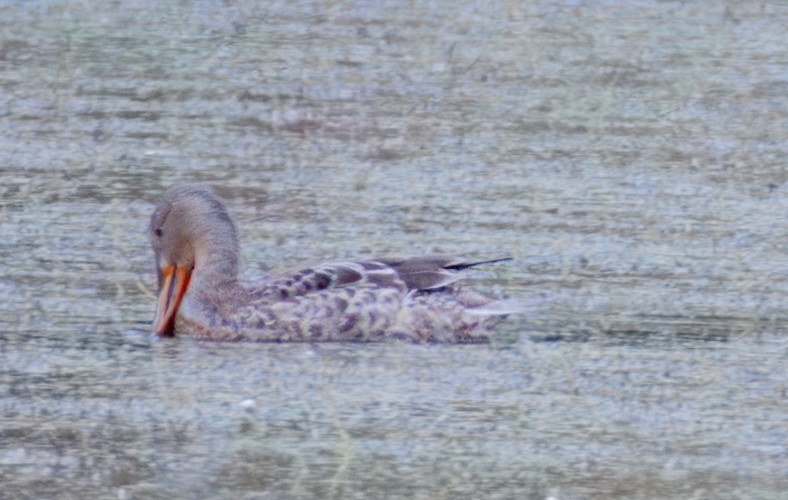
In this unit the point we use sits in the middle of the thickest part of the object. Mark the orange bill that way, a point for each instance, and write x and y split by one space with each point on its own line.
174 281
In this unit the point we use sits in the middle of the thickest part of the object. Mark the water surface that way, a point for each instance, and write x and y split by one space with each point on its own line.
631 158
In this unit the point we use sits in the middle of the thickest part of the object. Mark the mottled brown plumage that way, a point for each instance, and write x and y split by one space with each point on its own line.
200 292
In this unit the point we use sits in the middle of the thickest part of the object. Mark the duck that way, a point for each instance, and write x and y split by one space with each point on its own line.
201 292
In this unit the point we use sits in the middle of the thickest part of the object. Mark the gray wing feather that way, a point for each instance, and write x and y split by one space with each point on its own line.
428 272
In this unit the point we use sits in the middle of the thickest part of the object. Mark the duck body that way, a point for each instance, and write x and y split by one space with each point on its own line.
200 293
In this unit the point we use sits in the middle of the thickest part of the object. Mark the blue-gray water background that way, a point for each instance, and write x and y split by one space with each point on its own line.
631 157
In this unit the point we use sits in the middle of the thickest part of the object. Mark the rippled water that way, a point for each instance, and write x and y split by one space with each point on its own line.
631 158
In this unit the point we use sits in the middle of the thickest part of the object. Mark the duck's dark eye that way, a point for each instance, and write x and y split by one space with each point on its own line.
158 232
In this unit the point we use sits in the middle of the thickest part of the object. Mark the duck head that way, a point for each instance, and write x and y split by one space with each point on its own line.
192 236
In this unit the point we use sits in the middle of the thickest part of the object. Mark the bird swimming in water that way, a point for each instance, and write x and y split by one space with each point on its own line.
201 292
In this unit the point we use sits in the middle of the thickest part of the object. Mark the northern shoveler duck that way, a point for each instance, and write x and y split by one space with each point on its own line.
200 291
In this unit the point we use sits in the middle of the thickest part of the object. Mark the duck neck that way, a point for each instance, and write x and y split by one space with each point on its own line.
216 263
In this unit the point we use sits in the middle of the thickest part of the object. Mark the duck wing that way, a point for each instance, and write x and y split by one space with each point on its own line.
434 271
426 273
